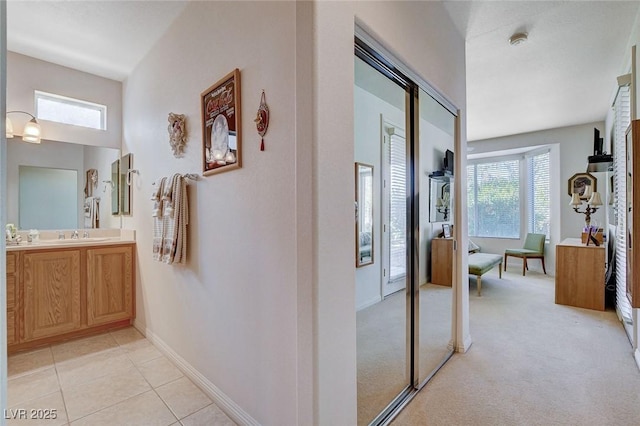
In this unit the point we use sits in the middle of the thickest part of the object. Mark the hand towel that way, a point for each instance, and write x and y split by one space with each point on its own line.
158 220
157 197
91 212
168 194
174 245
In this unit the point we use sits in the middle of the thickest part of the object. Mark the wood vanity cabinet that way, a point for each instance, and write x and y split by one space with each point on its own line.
109 284
12 280
51 295
58 294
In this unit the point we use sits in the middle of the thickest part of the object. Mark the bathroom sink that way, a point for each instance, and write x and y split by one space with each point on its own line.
75 241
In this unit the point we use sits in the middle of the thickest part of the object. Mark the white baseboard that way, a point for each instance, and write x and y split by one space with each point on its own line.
368 303
225 403
465 345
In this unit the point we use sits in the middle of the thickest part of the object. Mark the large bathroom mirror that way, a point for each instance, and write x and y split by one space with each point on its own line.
439 199
48 198
364 214
57 158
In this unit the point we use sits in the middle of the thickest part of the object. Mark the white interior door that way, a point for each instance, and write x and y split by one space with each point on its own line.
394 209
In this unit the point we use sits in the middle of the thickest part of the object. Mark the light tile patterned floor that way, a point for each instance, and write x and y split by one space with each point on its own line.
115 378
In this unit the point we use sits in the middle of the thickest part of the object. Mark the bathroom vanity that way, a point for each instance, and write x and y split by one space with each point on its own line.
59 290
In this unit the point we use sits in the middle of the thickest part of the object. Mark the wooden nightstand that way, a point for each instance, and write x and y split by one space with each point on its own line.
580 271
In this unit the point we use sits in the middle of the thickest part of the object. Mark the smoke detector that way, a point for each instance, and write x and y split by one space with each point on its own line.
518 38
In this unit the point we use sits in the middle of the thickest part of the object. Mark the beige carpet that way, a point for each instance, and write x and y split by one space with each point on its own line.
381 334
533 363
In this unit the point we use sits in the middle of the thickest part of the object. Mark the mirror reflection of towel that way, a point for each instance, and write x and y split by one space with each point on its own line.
92 212
91 181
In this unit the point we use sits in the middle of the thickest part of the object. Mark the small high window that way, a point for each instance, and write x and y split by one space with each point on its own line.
62 109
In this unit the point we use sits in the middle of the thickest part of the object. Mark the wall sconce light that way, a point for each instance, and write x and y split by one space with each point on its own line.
31 132
592 205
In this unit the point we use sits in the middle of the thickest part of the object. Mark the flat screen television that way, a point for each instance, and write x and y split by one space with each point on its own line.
448 162
597 142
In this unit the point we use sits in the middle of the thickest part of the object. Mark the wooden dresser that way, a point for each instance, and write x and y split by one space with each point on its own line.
580 273
442 261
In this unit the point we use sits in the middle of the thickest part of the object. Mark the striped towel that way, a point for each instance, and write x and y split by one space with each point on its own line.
156 197
176 219
91 212
158 219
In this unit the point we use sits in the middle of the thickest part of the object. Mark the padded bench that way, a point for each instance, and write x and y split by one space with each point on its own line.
479 263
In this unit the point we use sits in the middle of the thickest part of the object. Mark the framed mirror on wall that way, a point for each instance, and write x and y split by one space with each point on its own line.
115 186
126 165
439 199
364 214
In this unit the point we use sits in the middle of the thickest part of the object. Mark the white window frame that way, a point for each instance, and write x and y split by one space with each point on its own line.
102 109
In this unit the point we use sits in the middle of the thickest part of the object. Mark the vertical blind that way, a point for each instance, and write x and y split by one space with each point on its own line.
494 199
398 206
539 193
622 111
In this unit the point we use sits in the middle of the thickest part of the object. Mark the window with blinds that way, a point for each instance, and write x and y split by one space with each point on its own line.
494 192
494 199
622 119
539 194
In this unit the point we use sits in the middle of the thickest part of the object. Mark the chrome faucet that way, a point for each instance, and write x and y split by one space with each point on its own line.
61 235
74 235
85 234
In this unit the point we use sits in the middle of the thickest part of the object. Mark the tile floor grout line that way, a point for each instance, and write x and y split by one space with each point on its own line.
109 406
64 402
154 389
103 408
57 364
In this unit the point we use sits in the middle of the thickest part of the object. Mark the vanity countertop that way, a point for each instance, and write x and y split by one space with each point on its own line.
98 237
60 244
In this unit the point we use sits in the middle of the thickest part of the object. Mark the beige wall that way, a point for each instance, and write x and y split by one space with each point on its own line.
231 312
26 74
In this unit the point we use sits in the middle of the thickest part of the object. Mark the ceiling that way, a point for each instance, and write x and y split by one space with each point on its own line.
563 75
106 38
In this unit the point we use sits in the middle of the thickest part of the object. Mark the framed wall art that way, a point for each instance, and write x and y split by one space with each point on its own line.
221 125
579 182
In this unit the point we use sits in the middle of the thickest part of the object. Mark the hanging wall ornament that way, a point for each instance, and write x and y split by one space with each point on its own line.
262 119
177 133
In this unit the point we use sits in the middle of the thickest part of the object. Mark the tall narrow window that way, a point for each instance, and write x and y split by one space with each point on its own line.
494 195
62 109
398 206
539 194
